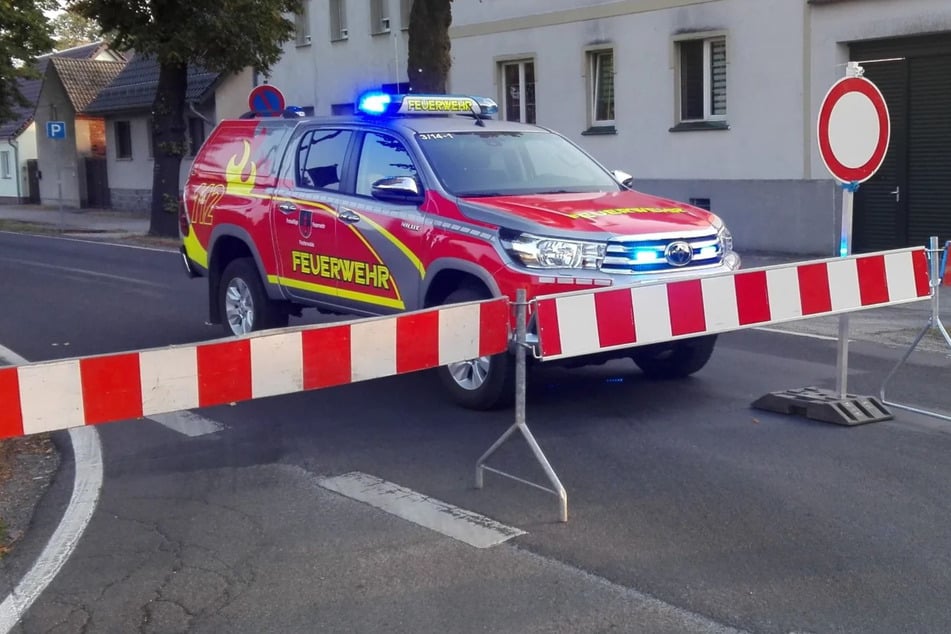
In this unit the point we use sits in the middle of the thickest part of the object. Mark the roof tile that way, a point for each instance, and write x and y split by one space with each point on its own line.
134 88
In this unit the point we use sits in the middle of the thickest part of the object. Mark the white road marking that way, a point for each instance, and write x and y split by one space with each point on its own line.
799 334
74 270
452 521
87 482
88 241
188 423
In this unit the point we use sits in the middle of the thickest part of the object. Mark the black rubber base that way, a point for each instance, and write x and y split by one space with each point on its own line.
825 405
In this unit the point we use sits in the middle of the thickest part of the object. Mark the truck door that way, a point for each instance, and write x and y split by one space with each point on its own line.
304 213
380 239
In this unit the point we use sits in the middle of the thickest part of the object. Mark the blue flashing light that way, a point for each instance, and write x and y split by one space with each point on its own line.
375 103
843 248
488 106
647 255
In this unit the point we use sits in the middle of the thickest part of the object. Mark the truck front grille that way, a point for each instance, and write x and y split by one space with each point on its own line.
632 256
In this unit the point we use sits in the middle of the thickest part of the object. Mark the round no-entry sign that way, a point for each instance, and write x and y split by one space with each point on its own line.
854 129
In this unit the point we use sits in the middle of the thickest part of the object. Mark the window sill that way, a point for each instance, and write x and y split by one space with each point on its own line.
124 158
691 126
303 44
598 130
376 33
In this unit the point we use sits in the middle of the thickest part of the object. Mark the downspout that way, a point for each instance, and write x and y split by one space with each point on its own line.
191 106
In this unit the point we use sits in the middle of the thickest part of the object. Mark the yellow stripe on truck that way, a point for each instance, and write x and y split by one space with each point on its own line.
323 289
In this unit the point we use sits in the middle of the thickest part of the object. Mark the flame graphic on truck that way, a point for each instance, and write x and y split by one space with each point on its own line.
237 184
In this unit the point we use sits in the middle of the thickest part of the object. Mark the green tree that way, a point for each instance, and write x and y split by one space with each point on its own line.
224 36
429 45
71 29
24 34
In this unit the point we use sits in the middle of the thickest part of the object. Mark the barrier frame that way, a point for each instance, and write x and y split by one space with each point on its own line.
521 348
937 263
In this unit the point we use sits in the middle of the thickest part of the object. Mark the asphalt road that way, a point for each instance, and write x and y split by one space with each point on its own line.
689 510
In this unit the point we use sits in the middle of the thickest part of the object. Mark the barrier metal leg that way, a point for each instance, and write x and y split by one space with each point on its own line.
936 270
521 346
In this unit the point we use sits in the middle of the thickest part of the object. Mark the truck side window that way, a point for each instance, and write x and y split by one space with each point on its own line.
320 158
382 157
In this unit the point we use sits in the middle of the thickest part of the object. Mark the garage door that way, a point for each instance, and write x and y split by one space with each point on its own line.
909 199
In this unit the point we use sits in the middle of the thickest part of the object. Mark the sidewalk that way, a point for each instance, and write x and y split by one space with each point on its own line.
79 222
893 325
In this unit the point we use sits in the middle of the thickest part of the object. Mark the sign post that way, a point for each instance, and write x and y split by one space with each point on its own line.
853 131
56 130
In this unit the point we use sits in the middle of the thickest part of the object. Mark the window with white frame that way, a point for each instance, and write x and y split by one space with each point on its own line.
406 7
5 170
518 86
379 16
601 87
302 24
338 20
702 75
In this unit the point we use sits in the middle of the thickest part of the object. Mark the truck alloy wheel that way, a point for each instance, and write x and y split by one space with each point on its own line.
484 382
239 307
243 302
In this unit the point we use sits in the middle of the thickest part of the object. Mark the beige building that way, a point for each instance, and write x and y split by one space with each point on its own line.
72 168
19 167
125 106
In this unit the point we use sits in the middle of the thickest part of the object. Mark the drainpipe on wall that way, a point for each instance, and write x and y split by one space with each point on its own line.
191 106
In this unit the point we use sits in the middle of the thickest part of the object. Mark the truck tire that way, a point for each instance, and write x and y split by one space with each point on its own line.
243 302
677 360
480 384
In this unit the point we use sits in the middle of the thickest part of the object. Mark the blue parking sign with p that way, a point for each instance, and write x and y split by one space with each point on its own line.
56 129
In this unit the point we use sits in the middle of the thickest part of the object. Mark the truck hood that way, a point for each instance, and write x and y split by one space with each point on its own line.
617 213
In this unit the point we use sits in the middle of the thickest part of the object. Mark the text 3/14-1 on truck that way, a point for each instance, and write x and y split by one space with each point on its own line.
419 201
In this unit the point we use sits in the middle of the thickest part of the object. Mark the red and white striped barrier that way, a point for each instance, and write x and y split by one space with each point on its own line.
62 394
587 322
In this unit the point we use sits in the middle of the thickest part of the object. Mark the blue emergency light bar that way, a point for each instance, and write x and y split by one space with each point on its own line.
377 104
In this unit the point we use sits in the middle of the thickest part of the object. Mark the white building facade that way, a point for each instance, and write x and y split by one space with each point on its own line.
705 101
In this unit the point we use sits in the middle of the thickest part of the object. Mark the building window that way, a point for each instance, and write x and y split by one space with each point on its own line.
601 87
5 171
196 135
379 16
302 24
123 139
406 7
518 84
702 79
338 20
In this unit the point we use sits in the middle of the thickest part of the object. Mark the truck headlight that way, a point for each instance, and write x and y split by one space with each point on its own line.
550 253
724 237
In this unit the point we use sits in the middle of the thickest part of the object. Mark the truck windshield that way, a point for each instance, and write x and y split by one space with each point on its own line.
487 163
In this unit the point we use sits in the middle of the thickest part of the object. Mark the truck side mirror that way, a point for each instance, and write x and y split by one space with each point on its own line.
623 178
398 189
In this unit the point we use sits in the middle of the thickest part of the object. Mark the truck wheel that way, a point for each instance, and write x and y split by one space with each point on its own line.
244 304
484 383
677 360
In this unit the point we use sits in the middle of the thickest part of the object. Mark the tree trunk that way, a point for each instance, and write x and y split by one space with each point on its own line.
168 130
429 46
